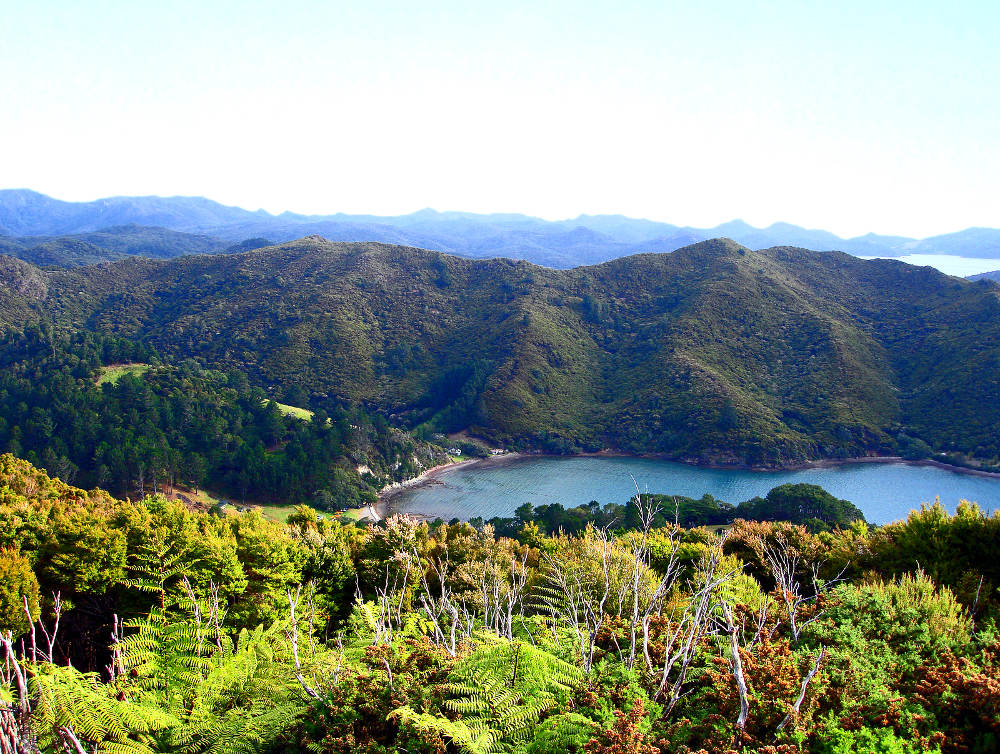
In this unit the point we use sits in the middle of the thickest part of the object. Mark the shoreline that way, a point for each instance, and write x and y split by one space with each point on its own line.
829 463
383 507
429 476
823 463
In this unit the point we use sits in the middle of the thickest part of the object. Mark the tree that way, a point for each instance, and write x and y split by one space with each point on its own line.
17 585
800 504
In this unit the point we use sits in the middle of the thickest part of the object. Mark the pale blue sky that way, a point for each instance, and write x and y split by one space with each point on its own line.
851 116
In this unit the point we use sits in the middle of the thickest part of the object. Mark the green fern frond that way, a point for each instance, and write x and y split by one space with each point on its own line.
498 694
65 697
473 739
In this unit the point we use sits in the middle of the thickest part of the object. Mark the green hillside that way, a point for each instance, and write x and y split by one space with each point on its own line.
103 411
23 287
712 353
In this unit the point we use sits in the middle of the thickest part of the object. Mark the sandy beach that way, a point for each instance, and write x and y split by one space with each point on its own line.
428 477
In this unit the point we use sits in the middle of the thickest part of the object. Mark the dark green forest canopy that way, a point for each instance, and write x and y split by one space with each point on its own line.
806 504
710 353
186 425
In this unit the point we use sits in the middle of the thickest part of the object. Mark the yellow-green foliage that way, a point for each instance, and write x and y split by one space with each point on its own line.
496 696
916 599
895 652
29 491
294 411
582 558
64 698
64 531
958 550
17 585
80 542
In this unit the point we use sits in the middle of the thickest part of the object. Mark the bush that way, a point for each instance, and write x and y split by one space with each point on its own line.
17 582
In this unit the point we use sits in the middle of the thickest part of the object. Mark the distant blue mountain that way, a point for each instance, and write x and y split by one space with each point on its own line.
994 275
587 239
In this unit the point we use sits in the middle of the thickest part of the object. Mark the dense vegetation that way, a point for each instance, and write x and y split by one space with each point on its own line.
187 425
133 622
805 504
110 244
181 631
711 353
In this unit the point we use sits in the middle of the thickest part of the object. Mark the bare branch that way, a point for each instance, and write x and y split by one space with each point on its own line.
69 739
293 637
6 641
794 711
736 666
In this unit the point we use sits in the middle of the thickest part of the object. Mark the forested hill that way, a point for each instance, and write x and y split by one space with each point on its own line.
714 352
111 244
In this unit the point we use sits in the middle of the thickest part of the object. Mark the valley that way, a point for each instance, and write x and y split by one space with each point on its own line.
262 416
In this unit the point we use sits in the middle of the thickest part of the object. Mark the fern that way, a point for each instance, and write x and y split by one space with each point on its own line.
227 695
157 566
64 697
497 695
568 732
472 738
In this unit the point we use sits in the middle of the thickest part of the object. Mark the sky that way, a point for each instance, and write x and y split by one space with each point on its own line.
850 116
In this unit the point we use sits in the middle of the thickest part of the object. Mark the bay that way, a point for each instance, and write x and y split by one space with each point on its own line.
949 264
884 492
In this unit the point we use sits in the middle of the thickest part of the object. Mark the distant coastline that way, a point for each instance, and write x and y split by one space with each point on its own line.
827 463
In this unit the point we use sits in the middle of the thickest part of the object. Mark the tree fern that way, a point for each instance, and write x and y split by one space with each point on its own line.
158 566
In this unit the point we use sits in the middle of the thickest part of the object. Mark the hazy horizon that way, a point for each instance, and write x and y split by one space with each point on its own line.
851 118
448 211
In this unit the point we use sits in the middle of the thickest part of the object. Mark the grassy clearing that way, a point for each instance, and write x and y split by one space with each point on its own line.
353 514
199 498
115 372
299 413
278 513
204 500
281 513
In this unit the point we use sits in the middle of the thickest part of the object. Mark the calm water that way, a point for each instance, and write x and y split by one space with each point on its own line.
884 492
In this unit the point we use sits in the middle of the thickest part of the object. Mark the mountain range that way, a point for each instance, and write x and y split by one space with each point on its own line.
48 231
715 352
